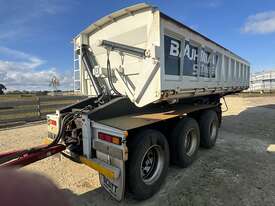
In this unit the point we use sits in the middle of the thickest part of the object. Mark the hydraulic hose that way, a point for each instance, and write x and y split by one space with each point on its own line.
67 119
109 75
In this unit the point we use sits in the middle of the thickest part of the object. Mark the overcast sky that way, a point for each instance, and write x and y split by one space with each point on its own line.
35 35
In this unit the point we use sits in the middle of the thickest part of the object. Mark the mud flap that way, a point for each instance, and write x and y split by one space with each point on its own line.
116 187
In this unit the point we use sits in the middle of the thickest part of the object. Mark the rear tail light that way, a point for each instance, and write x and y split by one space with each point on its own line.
109 138
52 122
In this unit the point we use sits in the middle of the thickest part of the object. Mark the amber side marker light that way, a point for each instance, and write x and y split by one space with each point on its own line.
109 138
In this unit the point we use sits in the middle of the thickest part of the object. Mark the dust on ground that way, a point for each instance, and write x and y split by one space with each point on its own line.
237 171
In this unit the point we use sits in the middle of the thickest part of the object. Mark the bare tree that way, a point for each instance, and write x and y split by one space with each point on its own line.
54 83
2 88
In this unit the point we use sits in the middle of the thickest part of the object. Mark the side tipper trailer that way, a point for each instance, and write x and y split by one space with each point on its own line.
154 88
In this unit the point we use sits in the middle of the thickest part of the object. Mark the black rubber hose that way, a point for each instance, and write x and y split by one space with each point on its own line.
61 131
110 77
67 119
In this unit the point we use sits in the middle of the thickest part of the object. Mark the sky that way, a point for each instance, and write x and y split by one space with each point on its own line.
36 35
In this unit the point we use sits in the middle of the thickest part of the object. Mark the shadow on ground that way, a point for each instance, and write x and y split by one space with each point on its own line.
269 106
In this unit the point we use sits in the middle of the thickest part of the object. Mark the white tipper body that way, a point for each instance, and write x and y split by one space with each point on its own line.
180 62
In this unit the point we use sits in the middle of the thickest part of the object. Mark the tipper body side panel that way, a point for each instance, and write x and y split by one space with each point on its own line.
178 61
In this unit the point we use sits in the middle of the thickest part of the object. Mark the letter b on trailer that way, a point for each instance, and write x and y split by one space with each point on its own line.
174 48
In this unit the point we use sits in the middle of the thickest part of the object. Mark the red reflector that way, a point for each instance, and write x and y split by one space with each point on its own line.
52 122
105 137
109 138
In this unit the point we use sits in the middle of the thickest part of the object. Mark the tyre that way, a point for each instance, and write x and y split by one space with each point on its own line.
148 163
185 141
209 127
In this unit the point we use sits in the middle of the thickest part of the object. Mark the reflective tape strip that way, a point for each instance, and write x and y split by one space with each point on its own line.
102 167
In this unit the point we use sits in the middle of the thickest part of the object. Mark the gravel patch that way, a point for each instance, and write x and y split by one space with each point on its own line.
237 171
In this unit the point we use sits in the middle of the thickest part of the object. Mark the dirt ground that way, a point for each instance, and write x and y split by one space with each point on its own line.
237 171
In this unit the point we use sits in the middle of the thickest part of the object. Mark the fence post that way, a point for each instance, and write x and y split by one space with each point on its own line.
38 107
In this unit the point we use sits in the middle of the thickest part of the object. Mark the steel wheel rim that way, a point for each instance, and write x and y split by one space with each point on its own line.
190 142
152 164
213 130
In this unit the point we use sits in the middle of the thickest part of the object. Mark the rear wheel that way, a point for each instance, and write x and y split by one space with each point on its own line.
209 127
148 163
185 141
